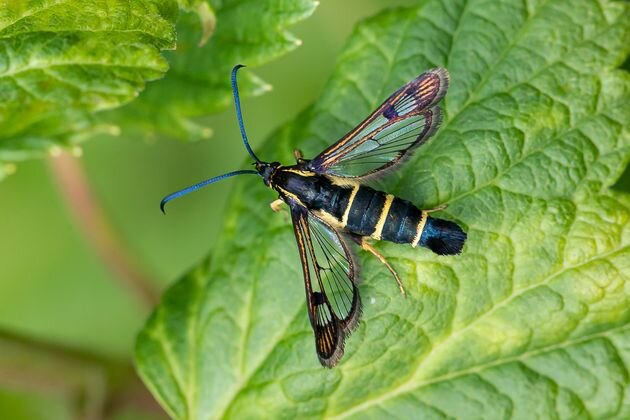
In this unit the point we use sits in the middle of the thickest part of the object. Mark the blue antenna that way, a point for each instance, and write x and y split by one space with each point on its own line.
239 115
202 184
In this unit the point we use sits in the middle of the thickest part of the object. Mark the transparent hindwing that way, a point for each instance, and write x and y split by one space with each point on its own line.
332 296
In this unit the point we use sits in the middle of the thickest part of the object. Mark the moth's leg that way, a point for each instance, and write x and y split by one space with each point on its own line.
438 208
363 242
276 205
299 156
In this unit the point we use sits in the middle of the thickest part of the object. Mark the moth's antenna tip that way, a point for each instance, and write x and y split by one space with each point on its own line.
239 115
195 187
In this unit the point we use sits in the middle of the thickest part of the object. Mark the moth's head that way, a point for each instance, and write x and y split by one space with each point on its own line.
266 170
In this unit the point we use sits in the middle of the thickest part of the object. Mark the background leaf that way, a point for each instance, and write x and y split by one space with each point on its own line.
247 32
52 80
531 320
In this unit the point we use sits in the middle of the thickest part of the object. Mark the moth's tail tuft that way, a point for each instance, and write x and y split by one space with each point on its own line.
443 236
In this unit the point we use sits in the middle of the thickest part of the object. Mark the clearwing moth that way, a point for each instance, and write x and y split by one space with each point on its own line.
331 205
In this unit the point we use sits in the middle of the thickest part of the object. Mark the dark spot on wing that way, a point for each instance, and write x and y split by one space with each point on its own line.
389 112
318 298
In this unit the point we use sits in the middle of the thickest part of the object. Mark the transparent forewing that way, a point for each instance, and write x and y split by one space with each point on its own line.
403 122
329 279
387 146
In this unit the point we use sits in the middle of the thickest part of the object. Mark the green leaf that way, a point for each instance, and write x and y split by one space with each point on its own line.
61 61
198 83
207 18
532 320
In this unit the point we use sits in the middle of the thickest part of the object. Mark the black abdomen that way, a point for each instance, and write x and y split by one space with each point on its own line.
383 216
365 211
442 236
402 222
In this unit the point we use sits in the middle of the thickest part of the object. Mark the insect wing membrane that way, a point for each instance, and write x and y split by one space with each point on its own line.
402 123
329 278
336 268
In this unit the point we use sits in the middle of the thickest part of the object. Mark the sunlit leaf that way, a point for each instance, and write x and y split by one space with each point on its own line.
61 61
531 321
231 32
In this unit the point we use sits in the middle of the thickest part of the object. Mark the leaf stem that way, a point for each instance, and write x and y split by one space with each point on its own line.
98 231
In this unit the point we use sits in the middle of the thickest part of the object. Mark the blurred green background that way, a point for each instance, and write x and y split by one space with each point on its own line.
56 295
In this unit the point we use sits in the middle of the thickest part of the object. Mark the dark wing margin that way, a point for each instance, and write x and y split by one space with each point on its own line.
403 122
330 280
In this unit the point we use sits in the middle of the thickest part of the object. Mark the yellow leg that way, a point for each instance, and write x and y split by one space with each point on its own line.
276 205
366 246
438 208
299 156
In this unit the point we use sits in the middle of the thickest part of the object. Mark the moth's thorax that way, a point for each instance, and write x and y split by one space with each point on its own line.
291 182
321 194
